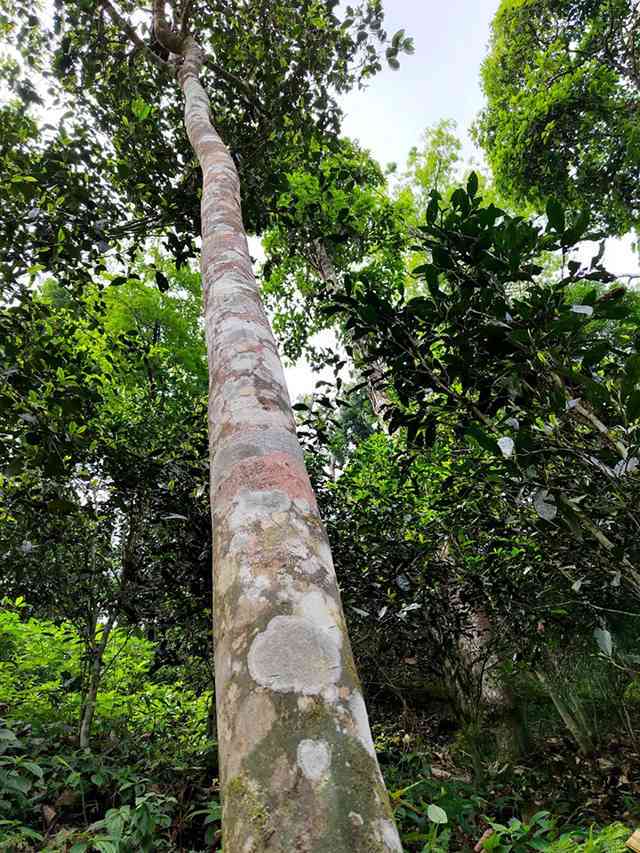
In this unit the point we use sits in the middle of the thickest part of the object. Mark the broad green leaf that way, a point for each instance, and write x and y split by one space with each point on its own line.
436 814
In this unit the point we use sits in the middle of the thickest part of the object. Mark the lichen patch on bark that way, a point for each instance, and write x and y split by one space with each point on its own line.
294 655
314 759
389 835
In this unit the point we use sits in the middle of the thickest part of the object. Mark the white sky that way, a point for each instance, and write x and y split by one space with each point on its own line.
440 81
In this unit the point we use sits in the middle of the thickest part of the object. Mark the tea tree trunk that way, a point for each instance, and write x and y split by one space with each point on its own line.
297 764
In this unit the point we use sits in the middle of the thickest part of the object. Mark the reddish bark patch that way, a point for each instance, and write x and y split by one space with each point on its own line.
277 471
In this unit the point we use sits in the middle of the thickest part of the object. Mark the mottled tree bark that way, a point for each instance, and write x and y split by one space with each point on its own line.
489 693
297 763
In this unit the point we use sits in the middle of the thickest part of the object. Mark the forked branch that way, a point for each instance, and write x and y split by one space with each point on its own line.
130 31
163 31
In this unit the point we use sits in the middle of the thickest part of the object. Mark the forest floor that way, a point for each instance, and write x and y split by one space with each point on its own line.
425 758
129 794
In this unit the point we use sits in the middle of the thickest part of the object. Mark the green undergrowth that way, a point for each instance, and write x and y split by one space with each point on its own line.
149 783
117 799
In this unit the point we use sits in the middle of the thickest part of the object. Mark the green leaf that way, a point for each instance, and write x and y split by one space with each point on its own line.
33 768
633 406
595 355
140 108
104 845
485 441
162 281
436 814
460 200
611 310
472 184
555 215
604 640
433 207
632 368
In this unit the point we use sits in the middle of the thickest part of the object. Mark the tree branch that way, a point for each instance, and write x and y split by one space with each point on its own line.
124 25
246 90
166 35
184 17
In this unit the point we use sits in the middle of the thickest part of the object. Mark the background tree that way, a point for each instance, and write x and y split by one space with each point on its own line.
561 81
556 414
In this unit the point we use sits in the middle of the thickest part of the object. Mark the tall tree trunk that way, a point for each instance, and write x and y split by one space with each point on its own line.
298 769
477 689
95 677
489 692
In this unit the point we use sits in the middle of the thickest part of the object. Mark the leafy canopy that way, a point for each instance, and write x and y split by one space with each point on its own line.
562 85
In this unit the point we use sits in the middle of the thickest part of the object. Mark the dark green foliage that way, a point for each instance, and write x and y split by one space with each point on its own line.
536 374
561 81
478 479
118 165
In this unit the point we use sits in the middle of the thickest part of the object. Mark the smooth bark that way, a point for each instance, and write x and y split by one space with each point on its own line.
298 769
480 689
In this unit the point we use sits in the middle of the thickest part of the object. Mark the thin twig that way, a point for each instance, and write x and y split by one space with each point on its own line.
246 90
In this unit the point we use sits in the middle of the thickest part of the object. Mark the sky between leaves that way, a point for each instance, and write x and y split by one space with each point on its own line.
440 81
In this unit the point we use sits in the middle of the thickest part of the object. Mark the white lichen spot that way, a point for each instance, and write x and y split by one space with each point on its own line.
239 542
305 703
314 759
256 506
295 655
330 694
301 504
361 722
389 835
320 609
254 588
356 819
244 362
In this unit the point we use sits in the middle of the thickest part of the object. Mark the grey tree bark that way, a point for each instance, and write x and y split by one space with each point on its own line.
298 770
